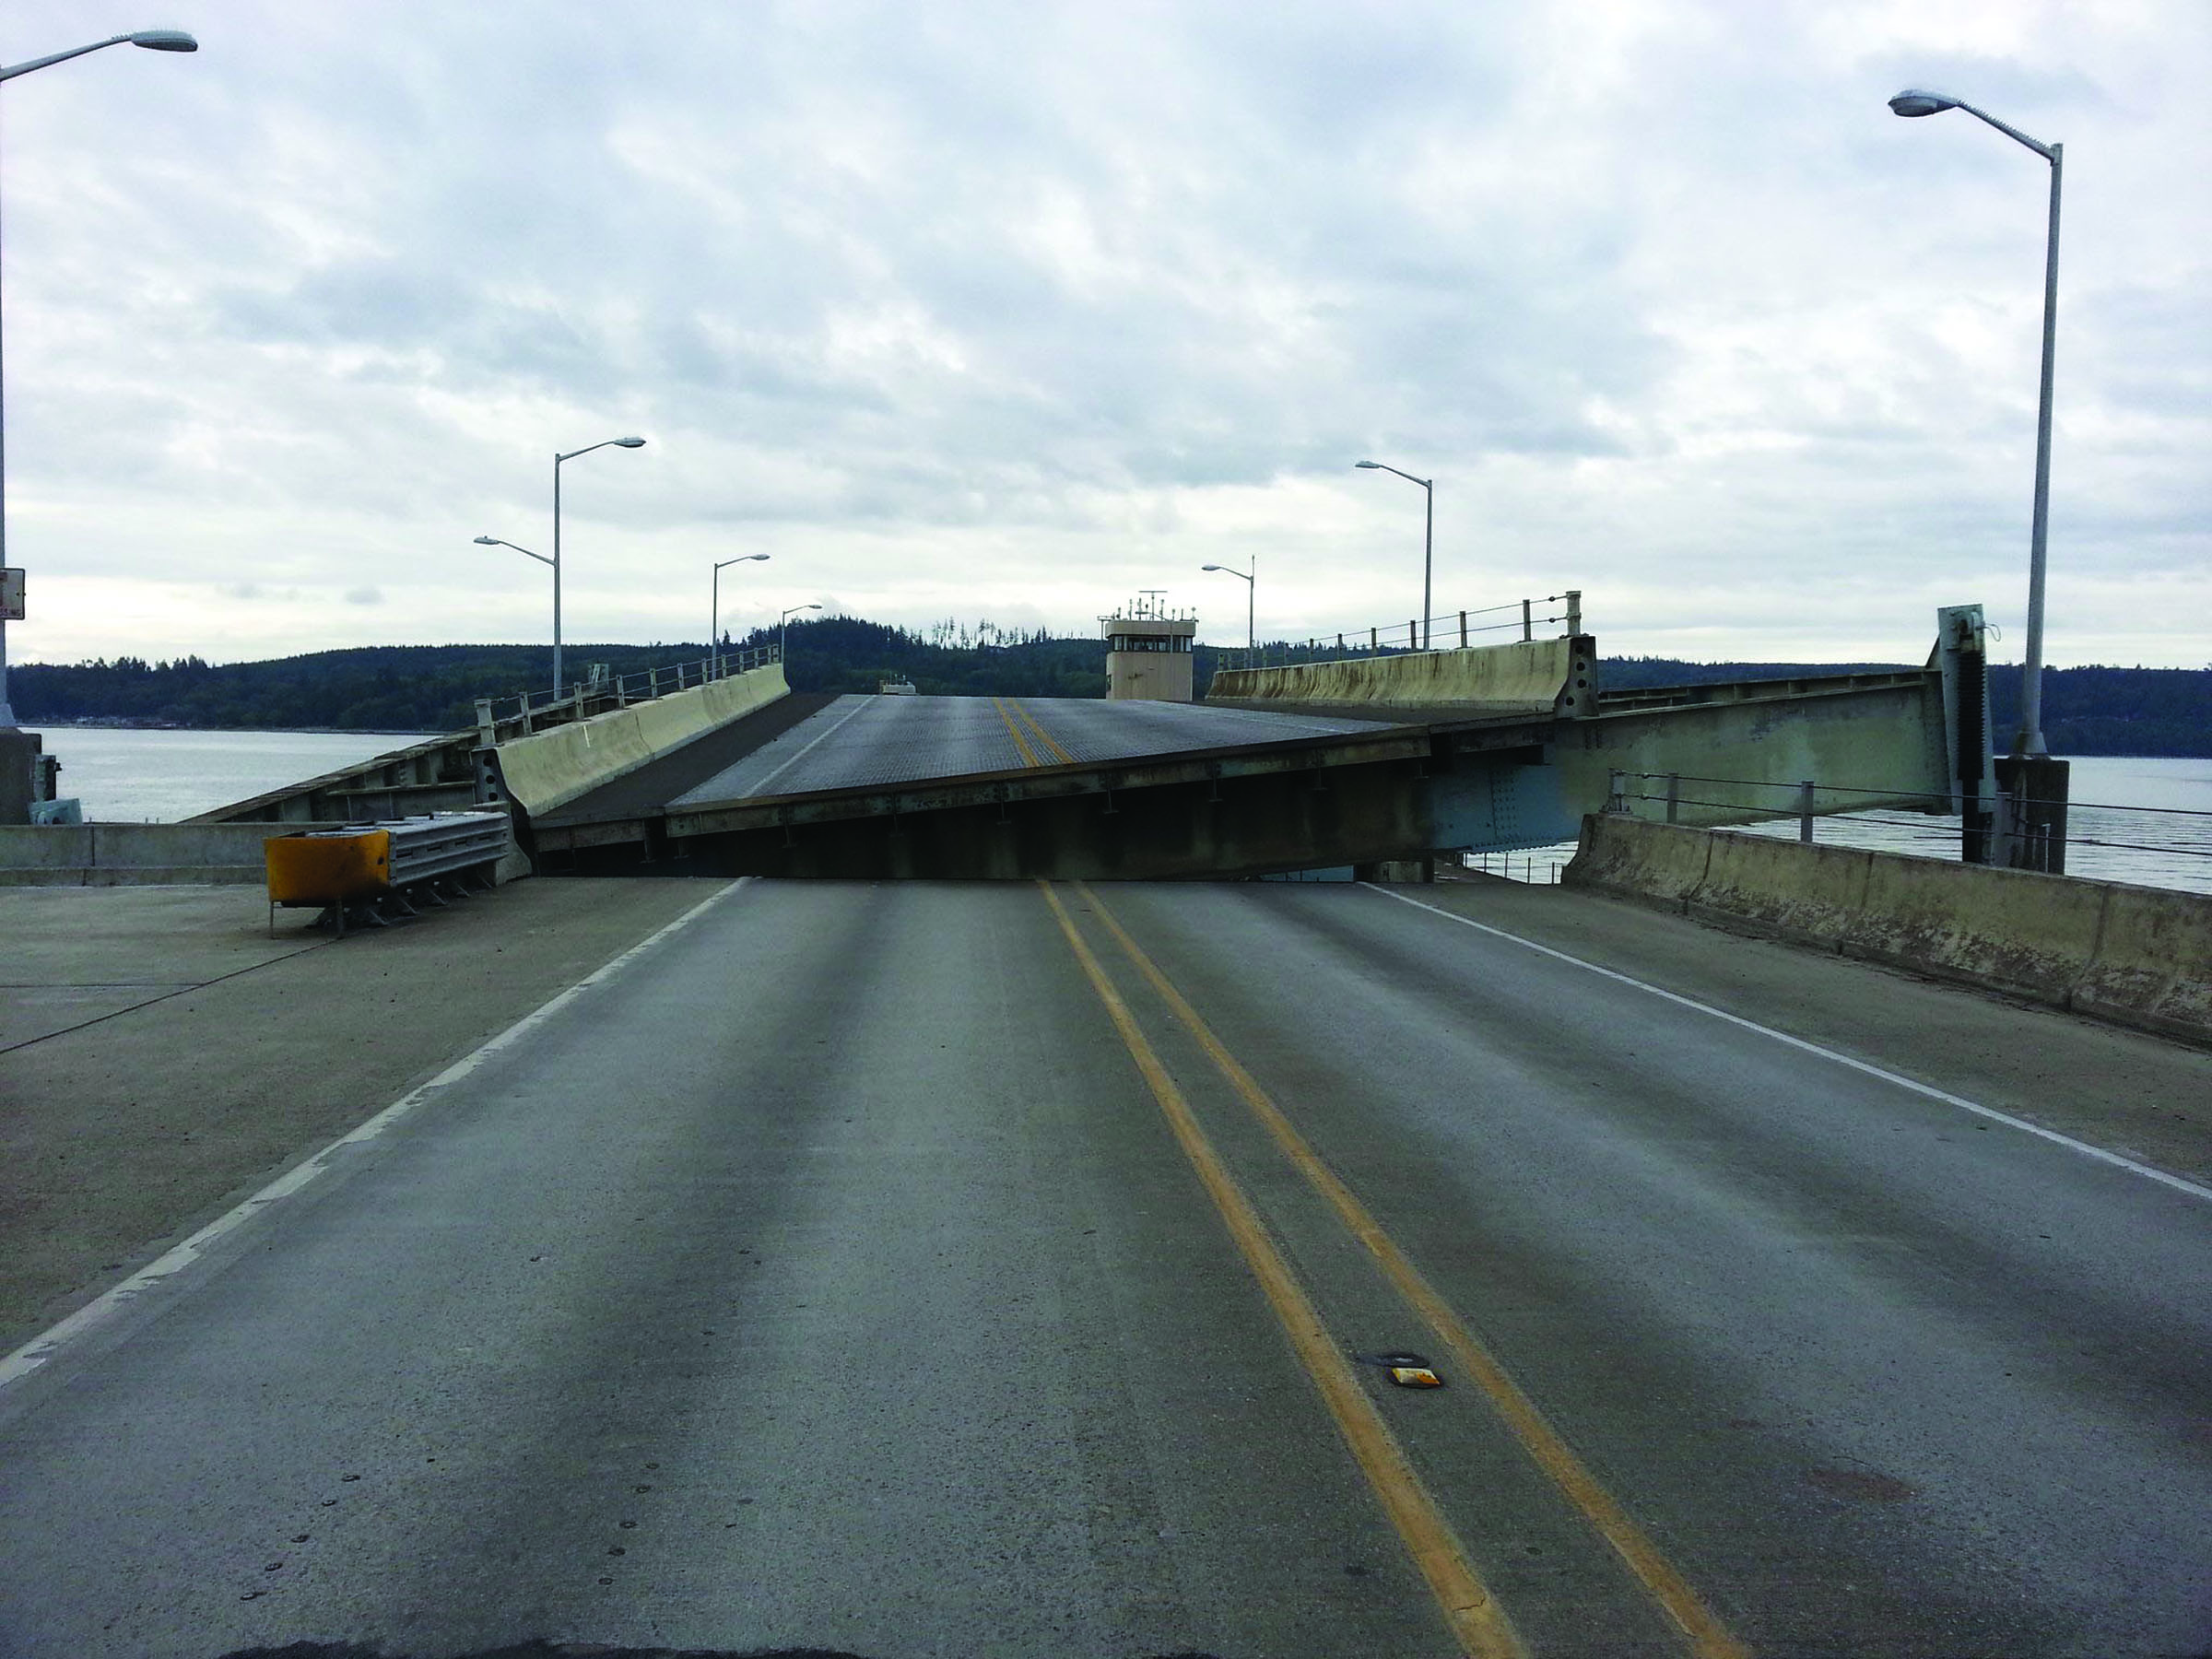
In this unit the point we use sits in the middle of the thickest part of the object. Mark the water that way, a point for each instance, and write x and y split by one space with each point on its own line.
130 777
2125 823
159 777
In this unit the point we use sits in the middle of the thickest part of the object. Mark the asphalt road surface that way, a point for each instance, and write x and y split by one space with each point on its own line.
912 1270
861 740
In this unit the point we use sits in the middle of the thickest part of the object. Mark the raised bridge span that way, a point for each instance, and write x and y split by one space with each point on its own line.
1332 767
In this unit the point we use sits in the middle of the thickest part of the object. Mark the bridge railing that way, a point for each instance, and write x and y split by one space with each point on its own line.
1921 820
502 718
1518 619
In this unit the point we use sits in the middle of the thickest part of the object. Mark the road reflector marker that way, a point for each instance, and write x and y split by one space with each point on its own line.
1477 1622
1709 1637
1407 1371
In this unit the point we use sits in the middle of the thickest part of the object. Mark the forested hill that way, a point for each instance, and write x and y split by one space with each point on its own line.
2089 711
2093 711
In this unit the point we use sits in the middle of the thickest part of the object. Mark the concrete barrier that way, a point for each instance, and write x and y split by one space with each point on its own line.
1810 893
2032 935
1659 862
553 768
133 854
2153 966
1525 677
2138 957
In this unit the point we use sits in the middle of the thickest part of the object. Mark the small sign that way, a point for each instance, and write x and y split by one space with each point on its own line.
11 594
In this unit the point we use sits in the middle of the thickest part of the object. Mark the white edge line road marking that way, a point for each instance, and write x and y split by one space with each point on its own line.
761 788
2099 1153
43 1346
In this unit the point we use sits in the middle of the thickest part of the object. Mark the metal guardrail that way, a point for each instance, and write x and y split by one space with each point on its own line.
365 869
502 718
1540 866
1522 621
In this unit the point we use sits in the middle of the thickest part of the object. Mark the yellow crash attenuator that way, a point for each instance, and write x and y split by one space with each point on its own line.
328 869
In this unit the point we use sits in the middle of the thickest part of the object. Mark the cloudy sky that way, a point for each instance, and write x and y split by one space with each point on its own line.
1010 311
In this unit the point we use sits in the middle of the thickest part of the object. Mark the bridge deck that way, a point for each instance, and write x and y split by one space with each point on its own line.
830 1273
860 742
813 744
998 787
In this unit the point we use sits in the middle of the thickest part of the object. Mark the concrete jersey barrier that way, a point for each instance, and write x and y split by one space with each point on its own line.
2134 956
132 854
552 768
1525 676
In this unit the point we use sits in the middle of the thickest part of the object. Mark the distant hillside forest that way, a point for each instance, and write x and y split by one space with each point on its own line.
2093 711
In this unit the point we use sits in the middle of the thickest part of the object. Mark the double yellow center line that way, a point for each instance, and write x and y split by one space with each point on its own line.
1010 711
1475 1619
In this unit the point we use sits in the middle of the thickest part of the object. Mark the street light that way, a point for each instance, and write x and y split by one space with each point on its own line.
153 40
554 560
493 541
1427 537
714 616
1251 587
783 626
2029 738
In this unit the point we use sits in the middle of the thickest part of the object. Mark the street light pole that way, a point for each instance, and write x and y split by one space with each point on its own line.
2029 738
714 616
153 40
784 627
554 560
1428 539
1251 587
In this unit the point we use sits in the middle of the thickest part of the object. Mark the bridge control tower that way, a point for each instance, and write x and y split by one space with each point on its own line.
1148 651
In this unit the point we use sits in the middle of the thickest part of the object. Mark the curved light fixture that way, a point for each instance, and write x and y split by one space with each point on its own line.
1912 102
164 40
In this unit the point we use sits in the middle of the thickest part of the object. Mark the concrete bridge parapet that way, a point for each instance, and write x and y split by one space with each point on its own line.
1525 676
552 768
2139 957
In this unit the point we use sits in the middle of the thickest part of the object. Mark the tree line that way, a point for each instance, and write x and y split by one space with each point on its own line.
2089 711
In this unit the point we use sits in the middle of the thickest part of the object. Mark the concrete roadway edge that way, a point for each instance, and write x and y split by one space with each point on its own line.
2184 1068
111 1302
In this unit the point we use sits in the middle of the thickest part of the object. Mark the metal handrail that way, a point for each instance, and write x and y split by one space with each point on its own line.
1808 792
1382 638
1922 794
531 710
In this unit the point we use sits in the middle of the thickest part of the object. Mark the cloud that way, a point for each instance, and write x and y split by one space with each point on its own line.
1018 309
